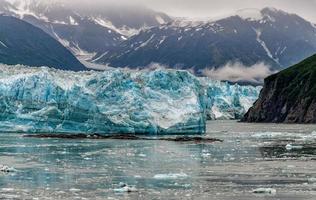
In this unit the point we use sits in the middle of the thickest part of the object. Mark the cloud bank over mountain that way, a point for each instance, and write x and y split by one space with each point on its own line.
203 8
237 72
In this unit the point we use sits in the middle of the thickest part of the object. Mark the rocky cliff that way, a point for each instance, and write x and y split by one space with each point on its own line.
288 96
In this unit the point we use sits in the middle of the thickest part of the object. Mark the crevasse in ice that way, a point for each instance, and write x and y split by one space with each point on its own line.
115 101
153 102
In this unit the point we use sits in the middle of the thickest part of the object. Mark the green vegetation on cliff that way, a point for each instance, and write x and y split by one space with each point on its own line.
288 96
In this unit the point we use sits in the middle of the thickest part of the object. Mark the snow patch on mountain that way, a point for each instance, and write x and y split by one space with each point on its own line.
160 20
64 42
73 21
80 53
250 14
264 46
163 38
184 22
74 48
126 31
23 8
143 44
97 58
59 22
2 44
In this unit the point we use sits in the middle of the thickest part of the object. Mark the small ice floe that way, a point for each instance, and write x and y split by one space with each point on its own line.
74 190
171 176
285 135
293 146
6 169
123 187
264 191
7 189
312 180
269 135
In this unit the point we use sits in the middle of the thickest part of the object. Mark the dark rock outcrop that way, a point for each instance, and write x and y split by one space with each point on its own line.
288 96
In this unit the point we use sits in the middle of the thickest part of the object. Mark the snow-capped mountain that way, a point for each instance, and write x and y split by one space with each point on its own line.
23 43
250 36
136 37
85 31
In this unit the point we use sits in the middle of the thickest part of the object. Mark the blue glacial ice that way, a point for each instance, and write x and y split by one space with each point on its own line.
110 102
228 101
43 100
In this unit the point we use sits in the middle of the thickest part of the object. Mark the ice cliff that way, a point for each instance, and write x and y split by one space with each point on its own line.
115 102
228 101
47 100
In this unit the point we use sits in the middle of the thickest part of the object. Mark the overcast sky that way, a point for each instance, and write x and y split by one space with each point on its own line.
209 8
218 8
215 8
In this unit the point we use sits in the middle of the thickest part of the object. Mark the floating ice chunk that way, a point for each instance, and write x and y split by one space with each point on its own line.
171 176
74 190
269 135
293 146
7 189
6 169
264 191
301 137
125 188
312 180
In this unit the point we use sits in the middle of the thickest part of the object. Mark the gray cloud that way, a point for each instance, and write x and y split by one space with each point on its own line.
205 8
236 72
216 8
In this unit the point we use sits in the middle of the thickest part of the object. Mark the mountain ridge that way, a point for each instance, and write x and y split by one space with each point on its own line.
277 38
84 32
22 43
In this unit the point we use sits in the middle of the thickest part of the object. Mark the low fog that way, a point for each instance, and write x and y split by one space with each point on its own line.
237 72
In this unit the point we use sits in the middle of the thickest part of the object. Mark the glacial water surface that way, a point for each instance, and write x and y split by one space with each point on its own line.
254 161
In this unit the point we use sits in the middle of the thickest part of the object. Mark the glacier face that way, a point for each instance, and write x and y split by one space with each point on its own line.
227 101
47 100
43 100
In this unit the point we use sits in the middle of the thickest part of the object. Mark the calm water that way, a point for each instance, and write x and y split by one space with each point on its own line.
277 158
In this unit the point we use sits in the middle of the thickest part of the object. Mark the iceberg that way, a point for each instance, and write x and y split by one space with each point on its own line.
44 100
228 101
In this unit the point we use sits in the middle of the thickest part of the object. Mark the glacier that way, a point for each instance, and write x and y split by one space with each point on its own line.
228 101
44 100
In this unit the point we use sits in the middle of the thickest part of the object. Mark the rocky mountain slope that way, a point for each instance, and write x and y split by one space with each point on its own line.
22 43
83 29
288 96
272 36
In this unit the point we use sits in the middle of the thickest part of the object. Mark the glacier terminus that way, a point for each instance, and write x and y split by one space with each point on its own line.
44 100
